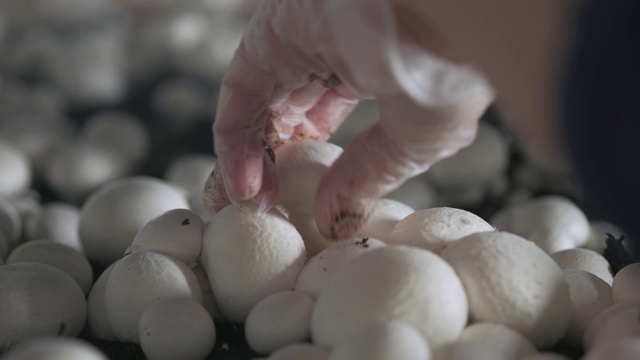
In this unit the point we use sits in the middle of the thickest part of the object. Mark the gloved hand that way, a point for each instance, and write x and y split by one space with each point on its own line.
301 67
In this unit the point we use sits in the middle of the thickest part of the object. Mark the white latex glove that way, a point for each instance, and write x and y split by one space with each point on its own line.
300 69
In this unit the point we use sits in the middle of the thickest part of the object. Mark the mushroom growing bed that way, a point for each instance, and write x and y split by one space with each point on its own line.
103 229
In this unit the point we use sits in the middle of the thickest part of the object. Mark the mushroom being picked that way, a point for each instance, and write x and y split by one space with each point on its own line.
177 232
137 281
61 256
392 283
437 228
510 281
38 300
279 319
112 216
248 256
552 222
176 328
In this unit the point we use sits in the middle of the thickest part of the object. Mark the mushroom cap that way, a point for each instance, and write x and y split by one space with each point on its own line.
300 351
36 300
15 169
279 319
76 169
190 173
382 341
177 233
137 281
249 255
511 281
616 322
58 222
97 322
69 260
112 216
590 295
299 167
437 228
120 132
626 284
584 259
552 222
320 269
506 342
55 348
305 223
385 215
392 283
619 349
176 328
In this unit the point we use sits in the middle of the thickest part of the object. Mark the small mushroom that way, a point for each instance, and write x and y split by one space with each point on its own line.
137 281
385 215
584 259
61 256
590 295
511 281
437 228
626 284
97 322
38 300
392 283
177 232
383 341
112 216
15 169
176 328
248 256
57 222
552 222
279 319
190 173
55 348
320 269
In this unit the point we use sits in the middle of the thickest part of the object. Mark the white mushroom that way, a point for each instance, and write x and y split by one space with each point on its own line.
320 269
61 256
584 259
392 283
112 216
249 256
120 132
15 169
176 328
626 284
279 319
619 349
305 224
57 222
58 348
503 341
76 169
190 173
38 300
553 223
299 168
437 228
137 281
181 102
616 322
383 341
97 322
177 232
300 351
590 295
385 215
511 281
208 299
